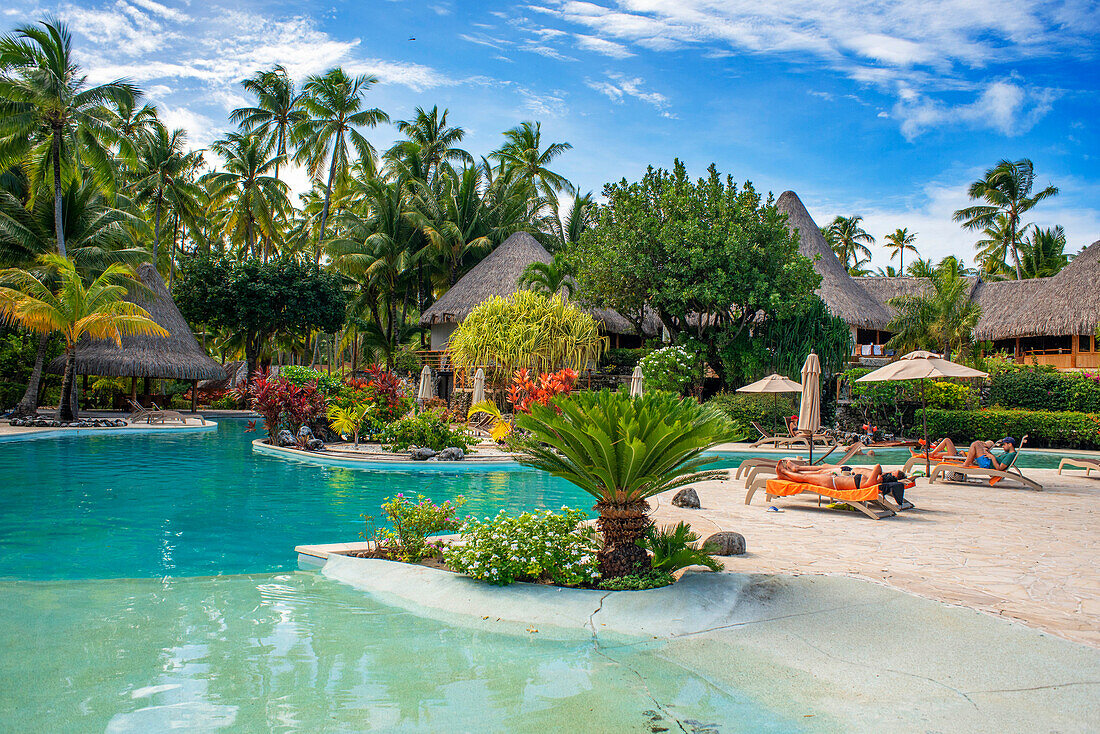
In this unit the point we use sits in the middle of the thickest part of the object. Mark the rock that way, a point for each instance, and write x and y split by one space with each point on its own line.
687 498
418 454
451 453
725 543
315 444
304 433
285 438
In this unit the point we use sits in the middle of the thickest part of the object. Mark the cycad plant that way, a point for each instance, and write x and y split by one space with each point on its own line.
673 548
622 451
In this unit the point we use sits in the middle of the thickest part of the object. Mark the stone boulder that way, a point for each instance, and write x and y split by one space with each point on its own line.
451 453
421 454
304 433
285 438
687 497
725 543
315 444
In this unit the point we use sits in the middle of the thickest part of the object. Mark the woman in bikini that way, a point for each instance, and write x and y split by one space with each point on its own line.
860 477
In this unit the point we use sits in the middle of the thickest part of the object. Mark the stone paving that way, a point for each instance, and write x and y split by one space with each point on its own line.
1025 555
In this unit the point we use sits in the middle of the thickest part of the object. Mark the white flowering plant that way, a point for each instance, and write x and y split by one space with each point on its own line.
670 369
533 546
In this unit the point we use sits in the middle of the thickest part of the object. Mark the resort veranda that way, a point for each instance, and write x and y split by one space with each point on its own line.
443 444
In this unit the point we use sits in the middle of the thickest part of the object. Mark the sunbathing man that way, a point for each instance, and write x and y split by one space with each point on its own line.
947 447
980 455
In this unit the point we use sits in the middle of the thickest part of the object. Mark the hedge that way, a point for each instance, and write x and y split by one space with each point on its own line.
1066 429
1036 390
744 408
622 361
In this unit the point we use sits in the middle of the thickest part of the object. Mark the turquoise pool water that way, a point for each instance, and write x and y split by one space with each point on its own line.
148 583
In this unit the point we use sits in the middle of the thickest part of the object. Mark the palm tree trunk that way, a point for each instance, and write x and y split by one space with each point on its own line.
156 231
58 222
328 195
65 412
28 406
1015 252
622 524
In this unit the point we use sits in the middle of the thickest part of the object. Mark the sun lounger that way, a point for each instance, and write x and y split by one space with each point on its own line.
868 500
756 466
153 414
1087 464
787 440
948 470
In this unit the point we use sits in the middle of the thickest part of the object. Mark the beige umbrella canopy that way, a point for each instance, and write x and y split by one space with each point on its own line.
773 383
809 411
478 394
426 392
636 382
918 366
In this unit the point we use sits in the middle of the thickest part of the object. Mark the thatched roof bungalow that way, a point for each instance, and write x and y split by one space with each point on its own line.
177 356
498 275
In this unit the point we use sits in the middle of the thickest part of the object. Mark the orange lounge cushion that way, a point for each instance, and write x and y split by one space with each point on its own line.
786 488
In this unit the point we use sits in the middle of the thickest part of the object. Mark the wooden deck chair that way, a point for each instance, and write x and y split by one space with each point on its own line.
138 412
868 500
946 471
1080 463
156 414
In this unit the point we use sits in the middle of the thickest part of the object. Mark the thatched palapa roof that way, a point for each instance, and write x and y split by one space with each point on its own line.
1068 303
498 275
842 294
177 356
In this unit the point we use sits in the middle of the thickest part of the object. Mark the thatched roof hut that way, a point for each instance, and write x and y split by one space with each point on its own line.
177 356
1065 304
842 294
882 289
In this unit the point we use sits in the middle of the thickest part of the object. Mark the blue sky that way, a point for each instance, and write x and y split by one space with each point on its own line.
887 110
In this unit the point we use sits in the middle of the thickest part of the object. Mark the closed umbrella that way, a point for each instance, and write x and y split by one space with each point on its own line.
773 383
636 382
426 392
479 387
919 365
809 410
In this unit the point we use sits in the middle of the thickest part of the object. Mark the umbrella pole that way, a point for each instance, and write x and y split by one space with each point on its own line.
924 418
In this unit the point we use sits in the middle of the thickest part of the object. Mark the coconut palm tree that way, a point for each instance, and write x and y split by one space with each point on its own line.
132 124
850 240
451 220
549 277
622 451
897 242
333 103
993 249
277 113
523 155
887 272
432 141
163 169
1006 189
568 230
1043 252
252 199
50 119
99 310
940 320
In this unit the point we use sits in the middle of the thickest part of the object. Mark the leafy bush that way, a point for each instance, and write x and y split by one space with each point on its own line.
282 403
672 548
532 546
525 391
744 408
225 402
101 393
638 581
380 389
1044 428
622 361
1045 390
328 385
411 523
669 369
424 429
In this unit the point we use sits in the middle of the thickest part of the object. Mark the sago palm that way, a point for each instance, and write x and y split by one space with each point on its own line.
897 242
98 311
622 451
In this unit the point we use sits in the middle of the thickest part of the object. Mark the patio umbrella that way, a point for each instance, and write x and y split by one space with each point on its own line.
478 394
773 383
426 392
636 382
809 410
918 366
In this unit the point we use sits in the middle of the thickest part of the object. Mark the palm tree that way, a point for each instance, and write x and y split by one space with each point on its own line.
49 117
622 451
451 220
850 240
566 232
549 277
132 124
1006 189
898 242
277 113
163 168
522 155
432 141
993 249
333 103
253 199
99 310
888 272
1043 252
940 320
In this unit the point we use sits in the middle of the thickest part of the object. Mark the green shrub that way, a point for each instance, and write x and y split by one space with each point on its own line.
426 429
767 410
411 523
10 394
1035 389
1044 428
327 384
532 546
638 582
622 361
673 548
669 369
225 402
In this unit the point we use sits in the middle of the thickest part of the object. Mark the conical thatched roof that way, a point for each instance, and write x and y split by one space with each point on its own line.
177 356
1068 303
498 275
842 294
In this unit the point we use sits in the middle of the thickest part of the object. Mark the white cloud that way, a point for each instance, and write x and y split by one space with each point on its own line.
618 86
1007 107
603 46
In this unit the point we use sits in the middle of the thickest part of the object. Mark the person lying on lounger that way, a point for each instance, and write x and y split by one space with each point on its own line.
980 455
947 448
847 478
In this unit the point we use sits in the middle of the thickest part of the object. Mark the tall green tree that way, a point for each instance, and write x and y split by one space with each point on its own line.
277 114
333 103
897 242
50 119
941 319
1043 252
253 199
523 155
1006 190
163 172
432 141
992 249
850 241
549 277
566 231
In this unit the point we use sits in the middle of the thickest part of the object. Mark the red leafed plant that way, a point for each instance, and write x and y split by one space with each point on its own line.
282 403
524 391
